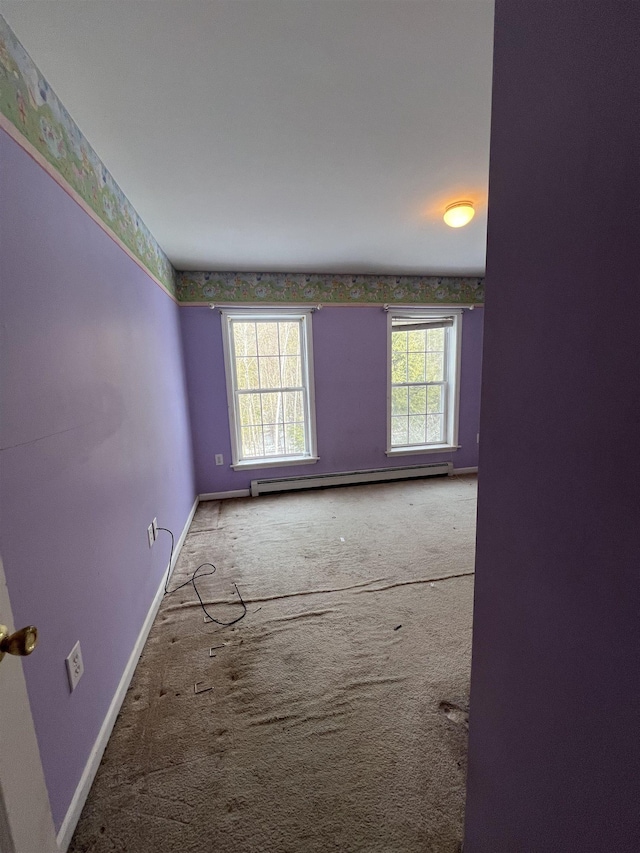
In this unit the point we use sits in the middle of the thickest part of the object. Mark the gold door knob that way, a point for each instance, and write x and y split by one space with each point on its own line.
22 642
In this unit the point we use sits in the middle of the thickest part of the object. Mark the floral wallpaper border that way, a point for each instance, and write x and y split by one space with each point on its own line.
32 107
285 287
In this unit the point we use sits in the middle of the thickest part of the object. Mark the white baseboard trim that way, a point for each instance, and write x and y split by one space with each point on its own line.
74 811
220 496
182 537
464 471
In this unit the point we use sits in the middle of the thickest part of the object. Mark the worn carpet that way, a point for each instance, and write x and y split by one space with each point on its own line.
333 716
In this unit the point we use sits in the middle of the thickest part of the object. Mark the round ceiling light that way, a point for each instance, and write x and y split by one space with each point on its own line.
459 213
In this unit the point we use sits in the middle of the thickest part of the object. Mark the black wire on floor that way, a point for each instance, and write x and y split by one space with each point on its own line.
192 581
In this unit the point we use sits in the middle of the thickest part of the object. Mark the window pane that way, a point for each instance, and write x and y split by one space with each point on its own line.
399 367
291 371
399 401
289 338
418 401
250 410
293 406
267 355
435 367
273 439
435 339
272 408
294 438
267 338
399 431
399 341
416 363
434 398
420 368
269 372
416 341
252 444
247 372
434 428
244 338
416 429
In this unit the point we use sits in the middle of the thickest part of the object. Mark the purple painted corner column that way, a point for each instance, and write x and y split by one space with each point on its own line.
94 442
350 370
554 758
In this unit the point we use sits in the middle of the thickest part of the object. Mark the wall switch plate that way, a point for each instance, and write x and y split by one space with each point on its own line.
219 459
150 535
154 524
75 666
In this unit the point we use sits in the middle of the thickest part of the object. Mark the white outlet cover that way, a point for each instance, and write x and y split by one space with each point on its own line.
219 459
75 666
154 524
150 535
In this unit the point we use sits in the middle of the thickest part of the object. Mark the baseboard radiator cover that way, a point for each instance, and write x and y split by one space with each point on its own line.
350 478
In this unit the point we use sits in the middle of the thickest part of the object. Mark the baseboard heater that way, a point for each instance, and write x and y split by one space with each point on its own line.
350 478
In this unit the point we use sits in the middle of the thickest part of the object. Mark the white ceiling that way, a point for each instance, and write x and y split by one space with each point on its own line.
283 135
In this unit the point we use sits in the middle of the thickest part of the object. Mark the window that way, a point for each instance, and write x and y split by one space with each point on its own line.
270 389
424 358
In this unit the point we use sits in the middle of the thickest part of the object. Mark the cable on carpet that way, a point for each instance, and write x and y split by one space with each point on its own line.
192 581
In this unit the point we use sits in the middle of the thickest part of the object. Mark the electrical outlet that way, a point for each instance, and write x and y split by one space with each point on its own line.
154 524
150 535
75 666
219 459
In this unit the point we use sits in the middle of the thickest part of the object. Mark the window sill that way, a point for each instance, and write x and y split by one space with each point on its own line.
416 451
276 462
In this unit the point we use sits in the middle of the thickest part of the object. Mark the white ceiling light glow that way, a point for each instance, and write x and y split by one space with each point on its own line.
459 213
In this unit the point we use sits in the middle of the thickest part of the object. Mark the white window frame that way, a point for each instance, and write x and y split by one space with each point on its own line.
256 315
452 374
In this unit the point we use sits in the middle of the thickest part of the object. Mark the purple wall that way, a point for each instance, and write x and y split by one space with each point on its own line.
349 351
95 443
555 696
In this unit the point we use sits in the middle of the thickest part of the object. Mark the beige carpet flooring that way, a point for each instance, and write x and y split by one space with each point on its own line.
336 714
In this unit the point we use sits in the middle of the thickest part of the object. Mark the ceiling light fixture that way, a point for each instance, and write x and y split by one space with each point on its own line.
459 213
